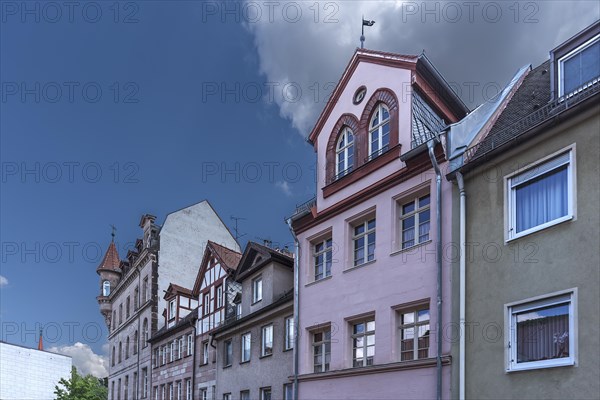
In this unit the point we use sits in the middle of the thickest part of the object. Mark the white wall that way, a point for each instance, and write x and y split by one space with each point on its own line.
183 238
29 373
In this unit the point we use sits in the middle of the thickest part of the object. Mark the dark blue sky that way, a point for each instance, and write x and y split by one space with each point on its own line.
151 146
114 109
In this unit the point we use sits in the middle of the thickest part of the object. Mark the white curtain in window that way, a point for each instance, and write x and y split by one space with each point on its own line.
542 199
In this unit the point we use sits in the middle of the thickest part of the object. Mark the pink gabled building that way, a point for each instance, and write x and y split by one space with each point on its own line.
367 293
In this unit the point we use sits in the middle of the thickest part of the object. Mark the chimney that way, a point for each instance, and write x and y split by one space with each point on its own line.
40 342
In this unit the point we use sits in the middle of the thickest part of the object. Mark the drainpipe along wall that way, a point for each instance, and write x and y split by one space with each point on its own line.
438 182
296 306
462 285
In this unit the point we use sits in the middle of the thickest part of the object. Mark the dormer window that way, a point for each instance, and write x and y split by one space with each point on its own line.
106 288
344 153
379 131
172 309
578 67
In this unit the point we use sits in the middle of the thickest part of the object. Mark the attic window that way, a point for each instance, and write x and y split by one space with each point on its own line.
579 67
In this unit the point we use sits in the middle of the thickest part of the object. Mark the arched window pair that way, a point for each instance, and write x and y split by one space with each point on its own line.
379 141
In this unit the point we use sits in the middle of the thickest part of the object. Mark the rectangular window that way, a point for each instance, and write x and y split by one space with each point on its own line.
205 353
172 309
364 242
246 346
203 394
288 391
267 341
155 392
190 345
415 222
580 66
541 332
414 334
163 392
144 382
321 350
227 353
179 392
363 342
219 296
145 290
322 258
188 389
257 289
172 353
206 304
227 396
245 395
265 393
127 307
164 355
170 391
541 196
289 333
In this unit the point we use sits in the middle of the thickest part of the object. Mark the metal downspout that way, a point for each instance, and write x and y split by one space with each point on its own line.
431 146
296 306
462 285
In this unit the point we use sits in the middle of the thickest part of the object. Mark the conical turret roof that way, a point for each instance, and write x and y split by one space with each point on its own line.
111 259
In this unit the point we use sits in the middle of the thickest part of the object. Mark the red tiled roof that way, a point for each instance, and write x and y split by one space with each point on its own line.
230 258
111 259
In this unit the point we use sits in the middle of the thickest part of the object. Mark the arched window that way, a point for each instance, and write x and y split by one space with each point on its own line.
344 151
135 342
379 131
105 288
145 332
127 348
113 357
120 351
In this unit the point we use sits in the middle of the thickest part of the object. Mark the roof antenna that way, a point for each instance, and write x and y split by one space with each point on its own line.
236 230
362 36
113 233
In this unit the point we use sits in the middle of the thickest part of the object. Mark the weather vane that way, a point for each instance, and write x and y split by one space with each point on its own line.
362 36
114 230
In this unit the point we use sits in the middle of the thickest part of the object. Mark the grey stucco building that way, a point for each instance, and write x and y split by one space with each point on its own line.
528 272
255 345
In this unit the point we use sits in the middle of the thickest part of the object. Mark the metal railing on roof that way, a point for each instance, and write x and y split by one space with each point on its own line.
305 207
531 120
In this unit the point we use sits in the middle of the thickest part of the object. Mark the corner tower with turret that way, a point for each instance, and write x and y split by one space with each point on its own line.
110 274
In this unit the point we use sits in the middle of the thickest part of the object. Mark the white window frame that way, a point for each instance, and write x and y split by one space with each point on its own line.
533 303
327 253
415 213
145 382
106 288
226 396
266 331
171 309
257 291
510 212
188 389
179 390
190 345
246 341
170 391
346 150
204 394
289 333
205 353
172 353
206 298
263 393
322 345
363 335
220 296
566 57
416 324
365 237
378 130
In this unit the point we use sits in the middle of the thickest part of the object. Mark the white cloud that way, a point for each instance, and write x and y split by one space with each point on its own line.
3 281
285 187
311 51
84 358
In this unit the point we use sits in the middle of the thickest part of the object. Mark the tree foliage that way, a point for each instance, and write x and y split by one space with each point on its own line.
81 388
